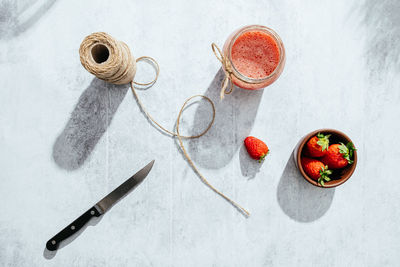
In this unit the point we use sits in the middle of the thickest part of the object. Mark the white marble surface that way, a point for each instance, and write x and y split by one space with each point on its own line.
66 139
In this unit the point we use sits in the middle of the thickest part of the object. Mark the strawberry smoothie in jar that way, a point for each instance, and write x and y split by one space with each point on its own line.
257 56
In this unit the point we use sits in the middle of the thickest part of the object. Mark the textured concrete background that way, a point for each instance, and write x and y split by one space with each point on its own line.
66 139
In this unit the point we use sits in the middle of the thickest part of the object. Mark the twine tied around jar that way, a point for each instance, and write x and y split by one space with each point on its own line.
110 60
227 67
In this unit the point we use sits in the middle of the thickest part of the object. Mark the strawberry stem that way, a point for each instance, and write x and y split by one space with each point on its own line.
323 141
263 157
347 151
324 172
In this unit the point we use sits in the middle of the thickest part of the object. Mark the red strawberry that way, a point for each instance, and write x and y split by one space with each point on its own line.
316 170
339 155
256 148
318 145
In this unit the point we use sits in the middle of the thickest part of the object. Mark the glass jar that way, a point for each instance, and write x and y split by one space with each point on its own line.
244 81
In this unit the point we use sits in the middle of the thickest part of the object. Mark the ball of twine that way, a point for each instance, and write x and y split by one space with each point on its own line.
111 60
107 58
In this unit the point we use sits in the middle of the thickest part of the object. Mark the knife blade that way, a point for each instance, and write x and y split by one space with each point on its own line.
100 207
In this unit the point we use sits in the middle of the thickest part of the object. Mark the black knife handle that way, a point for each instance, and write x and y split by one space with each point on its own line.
71 229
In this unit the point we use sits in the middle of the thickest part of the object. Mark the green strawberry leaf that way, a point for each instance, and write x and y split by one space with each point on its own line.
351 148
263 157
347 151
323 141
343 149
324 172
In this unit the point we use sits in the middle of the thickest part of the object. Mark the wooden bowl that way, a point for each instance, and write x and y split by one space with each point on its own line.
338 176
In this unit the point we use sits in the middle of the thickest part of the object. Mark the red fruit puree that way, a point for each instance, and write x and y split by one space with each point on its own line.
255 54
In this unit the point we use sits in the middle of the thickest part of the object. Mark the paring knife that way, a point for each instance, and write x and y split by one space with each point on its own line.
100 207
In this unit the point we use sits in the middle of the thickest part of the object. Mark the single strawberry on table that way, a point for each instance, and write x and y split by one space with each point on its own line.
256 148
316 170
318 145
339 155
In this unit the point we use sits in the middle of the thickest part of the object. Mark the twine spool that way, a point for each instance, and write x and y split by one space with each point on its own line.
107 58
111 61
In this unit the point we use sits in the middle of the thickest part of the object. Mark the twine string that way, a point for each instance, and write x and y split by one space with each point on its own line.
203 179
157 70
179 136
227 84
133 83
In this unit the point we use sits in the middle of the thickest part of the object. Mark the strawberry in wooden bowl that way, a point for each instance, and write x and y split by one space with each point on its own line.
326 157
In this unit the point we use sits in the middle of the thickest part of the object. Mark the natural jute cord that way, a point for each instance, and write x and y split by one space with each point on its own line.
107 58
227 82
120 68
